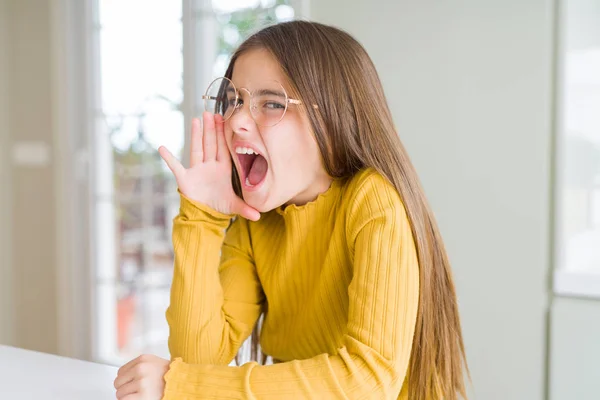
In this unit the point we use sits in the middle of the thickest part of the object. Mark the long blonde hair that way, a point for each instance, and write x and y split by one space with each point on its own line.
354 130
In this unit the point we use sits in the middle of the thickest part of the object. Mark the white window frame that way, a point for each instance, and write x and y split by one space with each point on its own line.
565 282
70 22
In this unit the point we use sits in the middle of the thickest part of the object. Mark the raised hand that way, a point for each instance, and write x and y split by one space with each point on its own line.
208 179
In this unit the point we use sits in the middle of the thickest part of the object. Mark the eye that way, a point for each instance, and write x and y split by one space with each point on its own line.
232 102
273 105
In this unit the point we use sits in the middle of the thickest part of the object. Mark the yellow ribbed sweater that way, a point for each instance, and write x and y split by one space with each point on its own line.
338 279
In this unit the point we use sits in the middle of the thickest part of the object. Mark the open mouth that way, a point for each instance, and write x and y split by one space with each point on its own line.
254 167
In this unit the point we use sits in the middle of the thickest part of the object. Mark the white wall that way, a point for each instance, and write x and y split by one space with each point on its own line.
6 334
575 345
40 242
31 191
470 87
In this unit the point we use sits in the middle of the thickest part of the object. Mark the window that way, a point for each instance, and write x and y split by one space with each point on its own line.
153 62
578 151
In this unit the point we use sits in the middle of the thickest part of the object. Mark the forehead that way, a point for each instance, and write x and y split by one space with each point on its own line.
256 66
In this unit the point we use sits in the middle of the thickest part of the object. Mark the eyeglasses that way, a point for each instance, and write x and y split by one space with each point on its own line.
268 103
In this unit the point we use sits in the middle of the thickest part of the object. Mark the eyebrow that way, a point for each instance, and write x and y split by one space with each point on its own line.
269 92
263 92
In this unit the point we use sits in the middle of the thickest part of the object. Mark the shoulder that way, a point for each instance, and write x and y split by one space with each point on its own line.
371 196
370 188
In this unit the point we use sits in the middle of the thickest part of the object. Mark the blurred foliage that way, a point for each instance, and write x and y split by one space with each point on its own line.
246 22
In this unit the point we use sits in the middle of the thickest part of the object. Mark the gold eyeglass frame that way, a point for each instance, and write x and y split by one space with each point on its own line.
206 98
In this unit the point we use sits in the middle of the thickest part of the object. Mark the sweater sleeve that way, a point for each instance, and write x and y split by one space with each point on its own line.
216 297
373 359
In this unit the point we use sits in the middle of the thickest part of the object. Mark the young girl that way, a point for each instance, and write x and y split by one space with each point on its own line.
333 241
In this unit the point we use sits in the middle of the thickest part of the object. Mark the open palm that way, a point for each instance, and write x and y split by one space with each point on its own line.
208 179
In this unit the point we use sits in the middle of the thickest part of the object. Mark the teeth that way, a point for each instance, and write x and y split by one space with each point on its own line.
248 182
244 150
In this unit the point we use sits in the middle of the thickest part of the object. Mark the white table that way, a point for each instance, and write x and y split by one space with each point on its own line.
28 375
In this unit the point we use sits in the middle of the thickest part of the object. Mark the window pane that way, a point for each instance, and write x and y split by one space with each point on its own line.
141 69
141 323
131 321
580 173
140 56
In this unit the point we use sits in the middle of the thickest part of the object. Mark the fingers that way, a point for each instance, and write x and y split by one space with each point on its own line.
127 389
196 145
123 379
125 375
209 137
125 368
241 208
129 371
172 162
222 151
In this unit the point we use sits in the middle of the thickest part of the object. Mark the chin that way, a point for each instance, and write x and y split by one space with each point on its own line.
260 204
259 199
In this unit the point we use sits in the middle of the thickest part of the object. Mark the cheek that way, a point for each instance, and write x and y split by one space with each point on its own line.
228 134
296 154
310 149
